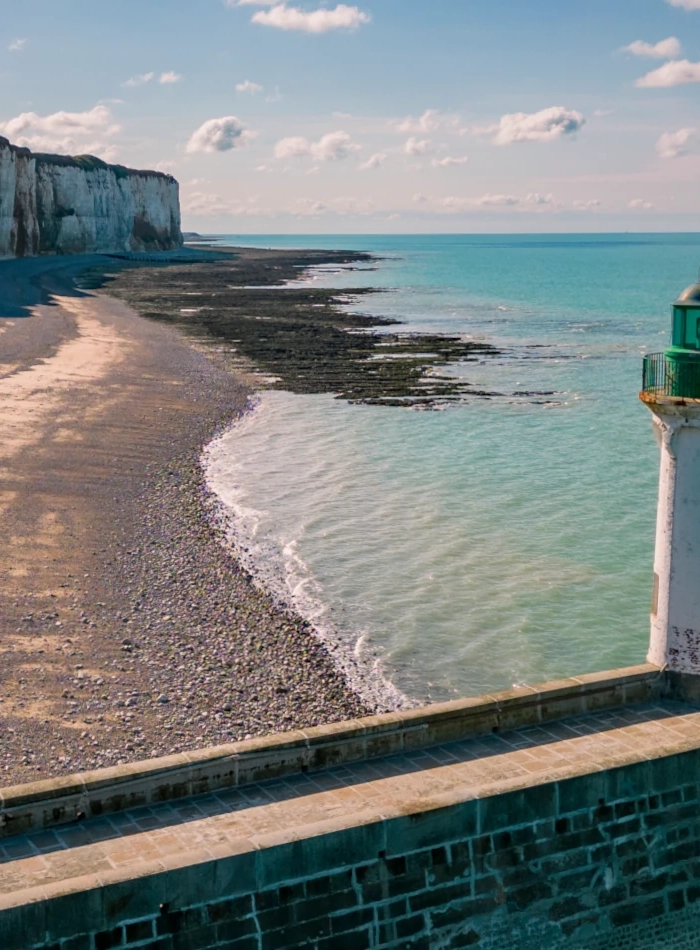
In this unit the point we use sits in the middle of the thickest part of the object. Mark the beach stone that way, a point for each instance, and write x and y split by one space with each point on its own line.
199 621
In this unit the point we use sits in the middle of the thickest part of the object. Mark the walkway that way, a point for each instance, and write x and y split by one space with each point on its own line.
149 840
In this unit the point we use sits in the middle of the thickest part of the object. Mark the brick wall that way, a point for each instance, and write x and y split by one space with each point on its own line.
610 861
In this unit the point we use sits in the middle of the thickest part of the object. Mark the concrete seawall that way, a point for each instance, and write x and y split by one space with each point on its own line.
555 817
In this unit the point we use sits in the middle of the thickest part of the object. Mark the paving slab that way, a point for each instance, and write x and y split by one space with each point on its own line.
249 818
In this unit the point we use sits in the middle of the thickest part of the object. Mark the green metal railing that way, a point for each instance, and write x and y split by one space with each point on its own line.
666 375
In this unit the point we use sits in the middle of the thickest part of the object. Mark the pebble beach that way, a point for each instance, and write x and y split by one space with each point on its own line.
129 629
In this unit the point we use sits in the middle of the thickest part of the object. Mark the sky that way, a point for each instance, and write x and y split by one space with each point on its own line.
381 116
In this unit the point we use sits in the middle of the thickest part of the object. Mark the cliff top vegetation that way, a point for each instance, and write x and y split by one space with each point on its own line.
85 162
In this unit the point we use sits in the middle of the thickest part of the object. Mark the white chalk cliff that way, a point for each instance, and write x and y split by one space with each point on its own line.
55 204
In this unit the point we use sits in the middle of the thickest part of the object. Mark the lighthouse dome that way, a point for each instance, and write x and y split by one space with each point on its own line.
690 296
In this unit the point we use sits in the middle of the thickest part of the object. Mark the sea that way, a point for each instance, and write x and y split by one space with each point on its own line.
500 541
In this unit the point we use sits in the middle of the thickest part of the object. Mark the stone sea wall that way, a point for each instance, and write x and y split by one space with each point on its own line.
609 861
55 204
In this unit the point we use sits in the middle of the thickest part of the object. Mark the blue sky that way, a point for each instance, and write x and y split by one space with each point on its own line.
380 115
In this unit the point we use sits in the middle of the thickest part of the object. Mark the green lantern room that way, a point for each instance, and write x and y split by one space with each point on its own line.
676 371
686 323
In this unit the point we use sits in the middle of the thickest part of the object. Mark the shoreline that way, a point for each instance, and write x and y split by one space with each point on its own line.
129 630
311 342
365 677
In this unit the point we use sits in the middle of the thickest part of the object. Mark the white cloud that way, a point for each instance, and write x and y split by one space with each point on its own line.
333 147
591 205
108 152
416 146
685 4
140 80
143 79
16 46
219 135
248 86
165 166
323 20
65 132
532 201
430 121
602 113
374 161
544 126
308 208
678 72
353 206
498 201
419 199
535 198
669 48
201 203
449 161
292 147
453 204
204 204
673 144
640 204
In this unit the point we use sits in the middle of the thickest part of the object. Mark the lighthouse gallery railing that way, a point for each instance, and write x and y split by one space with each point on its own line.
671 376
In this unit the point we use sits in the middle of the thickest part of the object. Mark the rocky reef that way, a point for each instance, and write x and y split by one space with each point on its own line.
56 204
303 339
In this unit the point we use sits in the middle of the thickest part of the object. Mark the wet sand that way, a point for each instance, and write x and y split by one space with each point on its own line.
126 629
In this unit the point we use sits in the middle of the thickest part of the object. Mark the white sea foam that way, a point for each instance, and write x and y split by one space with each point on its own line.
275 565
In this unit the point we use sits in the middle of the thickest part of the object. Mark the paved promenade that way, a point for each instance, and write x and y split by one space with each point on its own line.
145 841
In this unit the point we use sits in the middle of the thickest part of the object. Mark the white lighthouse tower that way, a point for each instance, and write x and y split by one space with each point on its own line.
671 389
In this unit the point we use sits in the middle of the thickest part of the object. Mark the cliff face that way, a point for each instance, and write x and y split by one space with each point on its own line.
54 204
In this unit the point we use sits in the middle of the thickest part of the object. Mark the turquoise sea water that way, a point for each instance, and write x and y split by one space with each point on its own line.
504 540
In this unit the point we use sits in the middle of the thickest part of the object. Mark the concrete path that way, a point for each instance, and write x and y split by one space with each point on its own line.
147 841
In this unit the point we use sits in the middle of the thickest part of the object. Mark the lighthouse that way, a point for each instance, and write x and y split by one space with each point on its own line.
671 390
